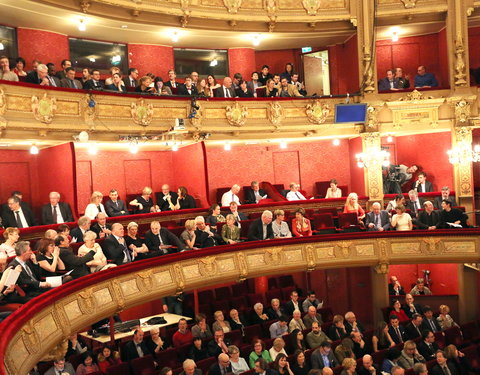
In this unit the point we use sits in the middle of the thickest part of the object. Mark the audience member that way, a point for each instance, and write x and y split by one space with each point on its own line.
172 83
144 203
275 311
410 355
399 311
280 226
333 191
189 368
222 366
445 196
300 366
389 82
424 79
297 340
278 347
377 219
115 246
48 258
300 86
5 73
443 367
39 76
183 335
237 322
69 81
381 338
243 91
225 91
161 239
389 364
352 206
294 194
204 237
231 196
56 212
99 262
420 369
428 218
414 203
65 65
323 357
421 185
458 359
185 201
88 365
427 347
107 358
230 232
60 366
132 79
264 75
288 73
75 263
349 366
261 228
212 85
311 300
337 329
198 351
293 304
115 206
188 237
287 89
271 91
11 236
95 206
399 200
413 329
166 199
214 216
360 347
396 330
136 244
281 365
429 322
17 215
188 88
368 367
351 323
94 82
296 322
83 224
401 221
301 226
254 84
312 316
279 328
135 348
420 288
101 227
220 323
255 194
394 287
451 217
411 307
239 216
444 318
261 367
219 344
402 82
316 336
19 69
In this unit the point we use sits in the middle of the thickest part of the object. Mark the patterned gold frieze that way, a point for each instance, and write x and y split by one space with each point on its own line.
69 108
129 287
19 103
403 248
169 112
72 310
113 111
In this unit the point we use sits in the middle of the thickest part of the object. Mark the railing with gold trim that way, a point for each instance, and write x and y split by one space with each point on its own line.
39 328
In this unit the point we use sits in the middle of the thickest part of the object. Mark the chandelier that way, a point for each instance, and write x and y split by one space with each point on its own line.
373 159
464 154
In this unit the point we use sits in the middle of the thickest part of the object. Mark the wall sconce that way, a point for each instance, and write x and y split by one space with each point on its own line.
82 26
373 159
463 154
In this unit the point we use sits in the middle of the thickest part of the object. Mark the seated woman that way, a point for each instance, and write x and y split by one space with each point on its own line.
444 318
155 343
243 91
88 365
282 366
144 203
300 365
344 350
188 236
398 311
220 323
134 242
381 338
258 316
19 69
238 363
399 200
352 206
349 366
144 86
117 84
259 351
280 226
11 236
333 191
160 87
337 330
461 363
113 70
298 343
301 225
95 206
213 217
48 258
211 85
270 89
107 358
278 347
401 220
230 232
99 262
64 230
201 329
185 201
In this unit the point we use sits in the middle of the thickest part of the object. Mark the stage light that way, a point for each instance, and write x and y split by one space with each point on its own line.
82 26
174 147
389 139
256 40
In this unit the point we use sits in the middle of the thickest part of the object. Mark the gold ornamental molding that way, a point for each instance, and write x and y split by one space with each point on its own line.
232 5
317 111
44 108
142 112
311 6
275 114
102 295
409 4
236 114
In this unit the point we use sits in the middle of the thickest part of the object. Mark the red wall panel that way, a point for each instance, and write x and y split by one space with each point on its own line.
429 151
474 45
343 67
84 184
284 175
149 58
275 59
357 176
139 175
43 45
241 60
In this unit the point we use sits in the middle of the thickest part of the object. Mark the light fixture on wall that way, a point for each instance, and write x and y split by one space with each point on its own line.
174 36
373 159
256 39
133 147
82 25
34 150
389 139
283 144
92 148
336 142
463 153
175 147
394 37
227 146
394 31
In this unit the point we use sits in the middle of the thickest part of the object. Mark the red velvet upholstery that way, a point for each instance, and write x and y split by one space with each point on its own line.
120 369
143 366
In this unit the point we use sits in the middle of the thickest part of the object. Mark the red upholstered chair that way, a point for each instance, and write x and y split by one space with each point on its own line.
222 305
167 358
255 215
235 337
272 283
279 187
205 296
379 356
322 187
244 228
143 366
224 291
323 223
120 369
472 354
348 221
286 291
239 303
337 370
286 280
240 289
220 192
440 340
273 293
326 313
331 210
43 367
470 331
253 298
205 364
454 336
253 332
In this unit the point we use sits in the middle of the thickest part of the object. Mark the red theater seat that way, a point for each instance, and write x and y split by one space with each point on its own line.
253 332
470 331
223 292
120 369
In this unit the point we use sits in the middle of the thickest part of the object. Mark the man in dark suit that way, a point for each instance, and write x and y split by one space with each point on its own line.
352 324
396 331
17 216
204 237
69 81
368 367
264 75
422 185
187 88
261 367
427 347
410 307
101 227
52 78
115 248
135 348
428 218
275 311
323 352
219 344
172 83
437 203
293 304
94 83
261 229
166 199
414 203
443 367
158 238
226 90
115 206
413 329
74 263
132 79
78 232
239 216
394 287
429 321
29 278
222 366
23 205
39 76
65 65
255 194
377 219
56 212
389 82
190 367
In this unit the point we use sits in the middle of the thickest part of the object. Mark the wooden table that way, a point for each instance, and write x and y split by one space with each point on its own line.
170 318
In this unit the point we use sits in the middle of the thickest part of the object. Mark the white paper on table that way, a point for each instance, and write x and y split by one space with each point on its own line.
12 277
54 281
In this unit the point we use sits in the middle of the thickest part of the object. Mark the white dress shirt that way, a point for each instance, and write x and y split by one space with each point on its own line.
295 196
228 198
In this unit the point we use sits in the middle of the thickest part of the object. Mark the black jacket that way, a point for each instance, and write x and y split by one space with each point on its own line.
163 203
168 238
9 219
113 209
76 263
114 250
129 351
250 195
92 85
65 210
255 231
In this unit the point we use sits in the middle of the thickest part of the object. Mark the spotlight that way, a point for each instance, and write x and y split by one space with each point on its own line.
92 149
283 144
227 146
83 136
2 47
336 142
389 139
394 37
34 150
82 25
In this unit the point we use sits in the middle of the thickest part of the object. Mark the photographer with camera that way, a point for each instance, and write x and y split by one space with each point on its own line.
395 176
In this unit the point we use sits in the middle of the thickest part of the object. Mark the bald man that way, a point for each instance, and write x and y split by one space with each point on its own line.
226 90
368 367
222 366
231 196
115 247
377 219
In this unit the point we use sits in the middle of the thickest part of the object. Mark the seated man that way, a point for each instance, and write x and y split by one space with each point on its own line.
69 81
311 317
183 335
414 328
437 203
316 336
287 89
275 311
293 304
101 228
261 229
377 219
427 347
231 196
410 307
396 330
158 238
56 212
410 356
60 366
39 76
226 90
78 232
74 263
5 73
294 194
166 199
414 204
428 218
219 344
255 194
190 367
29 278
360 347
23 205
115 247
94 83
451 217
429 321
136 348
422 185
403 82
424 79
389 82
420 288
222 366
17 215
368 367
351 323
238 215
204 237
187 88
280 328
323 357
443 366
311 300
394 287
115 206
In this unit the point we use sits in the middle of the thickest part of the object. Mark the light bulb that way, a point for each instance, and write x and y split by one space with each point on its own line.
92 149
133 148
394 37
174 37
336 142
227 146
81 24
174 147
283 144
34 150
389 139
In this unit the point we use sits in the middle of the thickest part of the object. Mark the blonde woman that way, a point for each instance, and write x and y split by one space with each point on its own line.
144 203
349 366
277 348
444 318
188 236
11 236
401 220
220 323
99 262
230 232
352 206
95 206
280 226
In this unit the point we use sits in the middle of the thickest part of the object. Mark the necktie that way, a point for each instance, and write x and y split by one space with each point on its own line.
174 85
99 208
446 370
160 239
54 213
434 329
298 196
29 271
71 84
52 82
233 197
132 83
397 330
377 221
227 93
139 351
19 221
